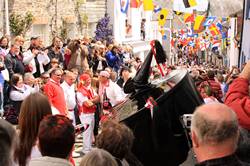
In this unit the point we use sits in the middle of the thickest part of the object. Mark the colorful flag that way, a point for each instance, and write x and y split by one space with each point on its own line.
189 32
189 3
188 17
214 30
219 26
209 21
124 5
157 8
148 5
177 13
199 19
216 43
224 35
135 3
162 17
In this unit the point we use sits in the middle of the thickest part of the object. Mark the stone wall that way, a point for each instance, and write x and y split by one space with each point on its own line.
79 16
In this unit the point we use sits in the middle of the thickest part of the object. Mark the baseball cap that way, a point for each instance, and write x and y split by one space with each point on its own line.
34 37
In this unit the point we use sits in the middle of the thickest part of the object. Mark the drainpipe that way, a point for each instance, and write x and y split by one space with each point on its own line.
7 28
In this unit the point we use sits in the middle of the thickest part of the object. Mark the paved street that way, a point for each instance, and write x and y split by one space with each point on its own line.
78 149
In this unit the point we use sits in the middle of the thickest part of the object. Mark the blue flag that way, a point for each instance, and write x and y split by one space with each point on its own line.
124 6
157 9
219 25
209 21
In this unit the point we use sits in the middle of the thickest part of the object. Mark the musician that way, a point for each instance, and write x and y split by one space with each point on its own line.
114 93
86 100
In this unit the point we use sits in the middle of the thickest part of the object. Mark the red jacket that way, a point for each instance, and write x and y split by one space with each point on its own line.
238 99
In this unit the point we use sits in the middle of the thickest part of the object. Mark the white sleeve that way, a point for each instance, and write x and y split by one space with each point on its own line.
18 96
80 98
27 57
120 95
43 58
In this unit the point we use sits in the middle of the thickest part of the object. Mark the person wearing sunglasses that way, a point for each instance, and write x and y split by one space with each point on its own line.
55 93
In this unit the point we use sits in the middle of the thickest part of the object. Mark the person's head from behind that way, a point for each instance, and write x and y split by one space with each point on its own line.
214 128
33 109
7 143
56 136
116 138
17 80
98 157
210 74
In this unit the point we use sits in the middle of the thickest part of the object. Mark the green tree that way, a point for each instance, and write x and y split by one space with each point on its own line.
20 24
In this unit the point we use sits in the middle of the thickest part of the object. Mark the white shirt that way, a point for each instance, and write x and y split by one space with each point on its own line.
69 94
28 58
81 98
114 93
21 93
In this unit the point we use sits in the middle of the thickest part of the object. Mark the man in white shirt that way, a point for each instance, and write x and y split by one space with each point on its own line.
114 93
68 87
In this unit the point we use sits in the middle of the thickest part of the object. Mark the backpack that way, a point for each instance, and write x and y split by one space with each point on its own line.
10 113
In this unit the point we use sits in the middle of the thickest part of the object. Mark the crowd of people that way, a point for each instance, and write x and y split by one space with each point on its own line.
48 91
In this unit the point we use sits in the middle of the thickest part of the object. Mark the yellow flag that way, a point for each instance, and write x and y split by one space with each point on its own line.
198 22
148 5
192 2
162 17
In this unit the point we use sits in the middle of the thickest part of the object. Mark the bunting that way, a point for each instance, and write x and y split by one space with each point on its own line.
188 17
124 5
189 3
209 21
135 3
198 22
162 17
214 30
157 8
219 26
148 5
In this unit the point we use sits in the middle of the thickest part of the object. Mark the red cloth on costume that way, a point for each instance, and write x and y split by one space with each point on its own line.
89 93
238 99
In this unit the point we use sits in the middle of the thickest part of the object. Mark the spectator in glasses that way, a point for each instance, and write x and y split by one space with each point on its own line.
55 93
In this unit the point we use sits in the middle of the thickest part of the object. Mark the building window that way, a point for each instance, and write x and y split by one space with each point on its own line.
71 28
41 31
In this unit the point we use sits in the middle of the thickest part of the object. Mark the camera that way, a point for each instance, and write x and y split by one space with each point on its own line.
187 118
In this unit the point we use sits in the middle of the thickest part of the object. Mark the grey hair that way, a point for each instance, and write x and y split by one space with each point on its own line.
211 131
28 75
98 157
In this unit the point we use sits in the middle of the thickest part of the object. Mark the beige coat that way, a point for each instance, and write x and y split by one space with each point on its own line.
83 55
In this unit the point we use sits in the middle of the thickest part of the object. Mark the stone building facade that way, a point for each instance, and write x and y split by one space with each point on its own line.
77 17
